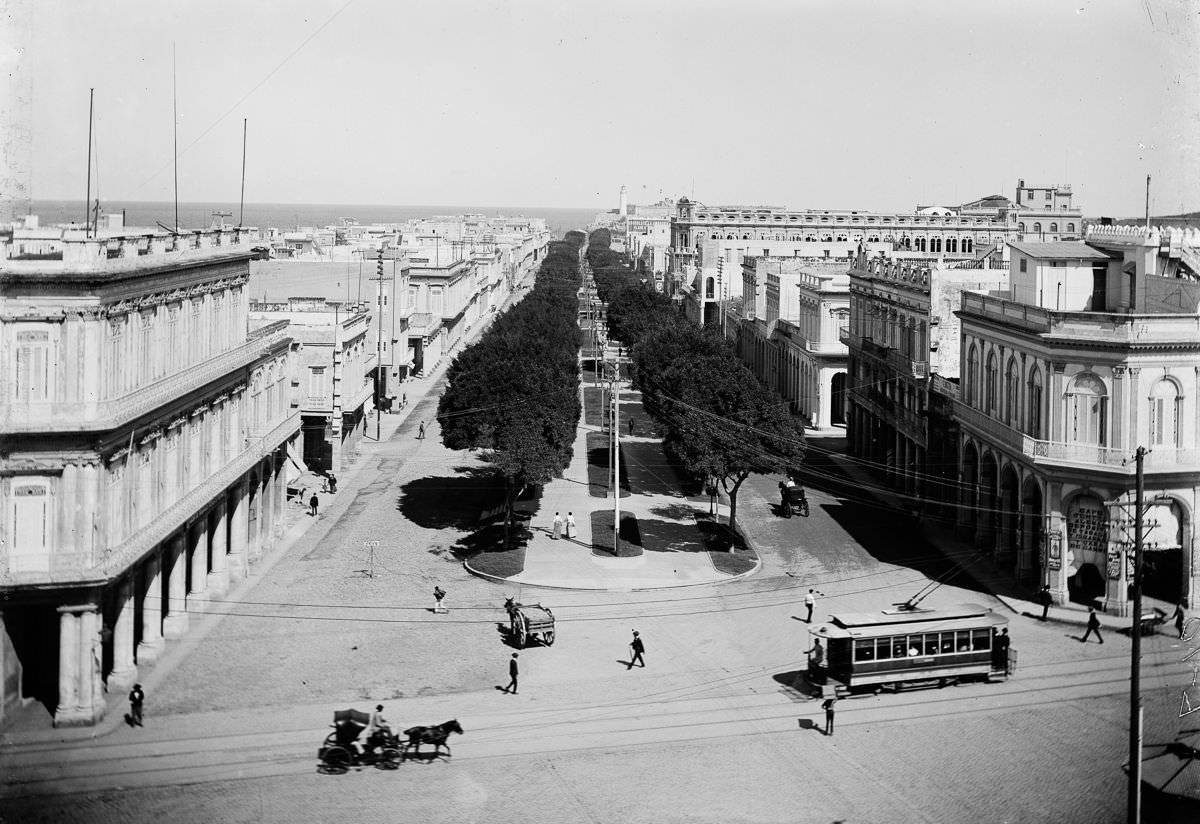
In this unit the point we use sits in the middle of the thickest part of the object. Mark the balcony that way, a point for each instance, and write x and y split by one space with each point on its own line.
1119 330
906 366
117 412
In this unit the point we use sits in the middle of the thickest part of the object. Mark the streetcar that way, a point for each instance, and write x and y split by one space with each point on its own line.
909 647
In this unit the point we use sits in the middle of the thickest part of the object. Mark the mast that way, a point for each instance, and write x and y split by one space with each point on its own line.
242 202
87 203
1147 202
175 134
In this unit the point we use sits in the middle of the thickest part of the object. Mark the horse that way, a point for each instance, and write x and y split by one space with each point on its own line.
431 735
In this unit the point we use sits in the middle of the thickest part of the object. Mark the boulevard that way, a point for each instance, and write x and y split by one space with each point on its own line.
712 729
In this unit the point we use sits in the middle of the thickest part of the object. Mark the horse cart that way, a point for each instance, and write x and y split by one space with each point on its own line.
342 749
792 499
529 621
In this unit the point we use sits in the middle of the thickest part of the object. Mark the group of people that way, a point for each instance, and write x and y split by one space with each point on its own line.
559 523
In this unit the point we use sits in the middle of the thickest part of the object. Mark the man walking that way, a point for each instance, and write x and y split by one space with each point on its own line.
312 506
332 483
136 699
631 425
512 675
1045 599
439 595
810 601
827 705
636 648
1093 625
421 431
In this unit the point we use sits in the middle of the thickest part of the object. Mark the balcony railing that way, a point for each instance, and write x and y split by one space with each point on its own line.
75 416
905 365
1108 328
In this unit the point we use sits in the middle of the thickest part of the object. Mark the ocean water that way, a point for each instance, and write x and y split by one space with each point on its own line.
199 215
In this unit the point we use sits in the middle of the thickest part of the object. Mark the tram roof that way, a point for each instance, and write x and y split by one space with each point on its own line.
865 624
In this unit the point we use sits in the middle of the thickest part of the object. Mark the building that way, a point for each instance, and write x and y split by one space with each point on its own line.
145 429
1092 352
703 235
333 382
903 335
789 333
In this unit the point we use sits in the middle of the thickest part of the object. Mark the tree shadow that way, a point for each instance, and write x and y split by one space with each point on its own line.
599 466
670 536
678 512
652 474
465 501
490 538
602 535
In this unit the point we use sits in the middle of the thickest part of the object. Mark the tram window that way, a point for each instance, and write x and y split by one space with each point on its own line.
963 639
864 650
931 643
947 642
883 648
898 647
981 639
914 646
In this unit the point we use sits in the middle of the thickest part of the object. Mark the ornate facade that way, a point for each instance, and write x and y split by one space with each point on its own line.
142 455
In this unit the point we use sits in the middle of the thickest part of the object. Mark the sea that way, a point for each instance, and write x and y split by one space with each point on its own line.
288 216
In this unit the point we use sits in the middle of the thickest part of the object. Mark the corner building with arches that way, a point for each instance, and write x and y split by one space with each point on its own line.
1093 352
143 439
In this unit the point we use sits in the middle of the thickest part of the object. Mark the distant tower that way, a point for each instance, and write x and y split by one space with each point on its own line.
623 206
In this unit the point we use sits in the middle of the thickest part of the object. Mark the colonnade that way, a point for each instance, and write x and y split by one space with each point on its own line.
129 620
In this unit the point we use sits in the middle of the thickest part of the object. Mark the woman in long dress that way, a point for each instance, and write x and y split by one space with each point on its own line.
556 529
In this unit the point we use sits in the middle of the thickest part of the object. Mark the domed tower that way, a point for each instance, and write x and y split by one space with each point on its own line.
623 204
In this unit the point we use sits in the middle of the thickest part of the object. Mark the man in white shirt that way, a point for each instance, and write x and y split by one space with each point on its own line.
810 601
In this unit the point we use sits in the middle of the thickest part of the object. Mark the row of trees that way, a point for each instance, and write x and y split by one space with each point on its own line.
721 424
514 394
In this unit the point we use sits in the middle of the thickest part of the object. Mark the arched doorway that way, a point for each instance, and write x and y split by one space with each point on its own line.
970 487
837 398
988 503
1030 563
1009 515
1087 547
1162 556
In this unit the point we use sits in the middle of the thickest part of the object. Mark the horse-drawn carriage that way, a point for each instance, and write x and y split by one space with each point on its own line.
526 621
382 749
792 498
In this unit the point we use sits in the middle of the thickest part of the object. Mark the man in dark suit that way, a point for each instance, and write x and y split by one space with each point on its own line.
512 675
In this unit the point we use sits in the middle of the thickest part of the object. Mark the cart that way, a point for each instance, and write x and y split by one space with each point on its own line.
528 621
342 750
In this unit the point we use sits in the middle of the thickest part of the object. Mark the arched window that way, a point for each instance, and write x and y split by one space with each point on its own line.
1070 227
1165 404
968 245
1012 388
1021 228
1037 228
710 288
972 376
919 244
935 244
1087 411
951 244
1053 227
989 399
1033 414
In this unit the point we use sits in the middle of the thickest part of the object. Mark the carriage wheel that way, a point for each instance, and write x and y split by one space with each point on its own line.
336 760
518 632
548 637
389 759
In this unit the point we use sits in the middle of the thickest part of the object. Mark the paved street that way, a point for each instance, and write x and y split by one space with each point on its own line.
712 729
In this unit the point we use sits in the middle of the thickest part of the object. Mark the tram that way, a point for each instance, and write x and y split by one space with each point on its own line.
909 647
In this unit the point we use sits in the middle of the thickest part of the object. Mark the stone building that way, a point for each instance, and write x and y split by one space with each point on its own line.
789 333
1093 352
145 429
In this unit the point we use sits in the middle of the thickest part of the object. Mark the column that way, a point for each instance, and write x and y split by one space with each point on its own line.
80 690
238 560
152 639
280 495
124 671
68 664
267 507
218 574
198 547
176 622
91 704
1119 412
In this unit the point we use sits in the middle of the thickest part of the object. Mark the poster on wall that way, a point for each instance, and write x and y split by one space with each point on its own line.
1054 552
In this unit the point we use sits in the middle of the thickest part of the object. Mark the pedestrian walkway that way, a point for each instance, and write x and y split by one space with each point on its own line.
667 520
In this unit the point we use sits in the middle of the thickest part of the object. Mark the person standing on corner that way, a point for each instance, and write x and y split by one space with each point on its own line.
636 648
512 675
810 601
332 483
1000 646
439 596
556 527
1093 625
136 699
312 506
1045 599
570 524
828 705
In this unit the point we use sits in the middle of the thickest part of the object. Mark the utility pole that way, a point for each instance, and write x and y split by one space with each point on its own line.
380 375
1134 810
616 461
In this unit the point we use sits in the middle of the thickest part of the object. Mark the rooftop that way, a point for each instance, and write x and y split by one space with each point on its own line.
1060 250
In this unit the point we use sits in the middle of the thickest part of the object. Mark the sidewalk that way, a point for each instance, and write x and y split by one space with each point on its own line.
1017 597
667 520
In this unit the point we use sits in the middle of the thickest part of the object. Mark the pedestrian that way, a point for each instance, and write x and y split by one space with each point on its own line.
421 431
403 400
332 483
1093 625
810 601
1045 599
1179 617
512 675
556 527
816 663
136 699
439 596
827 705
631 424
1000 651
312 506
570 525
636 648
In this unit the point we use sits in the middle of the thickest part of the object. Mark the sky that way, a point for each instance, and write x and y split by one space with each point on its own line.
830 104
